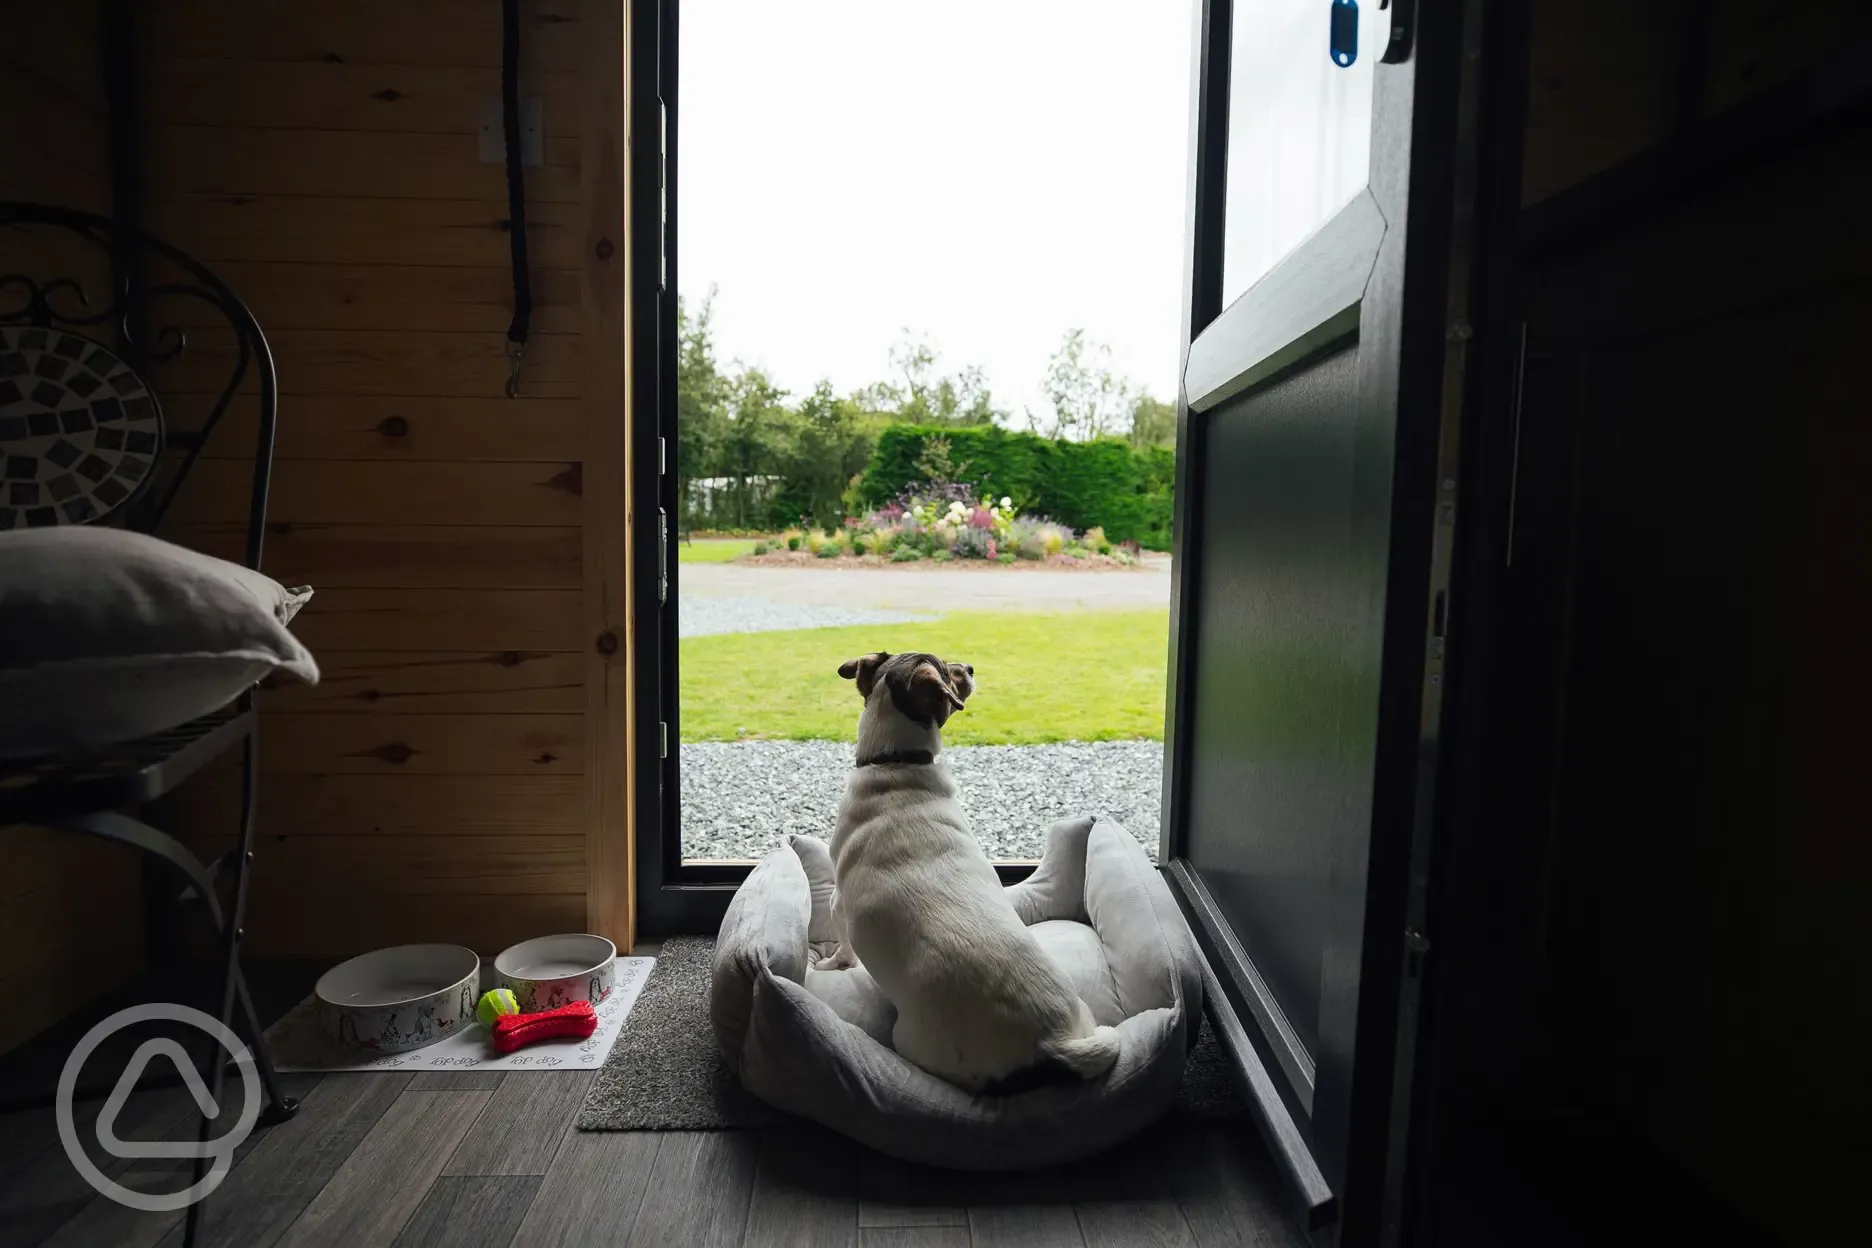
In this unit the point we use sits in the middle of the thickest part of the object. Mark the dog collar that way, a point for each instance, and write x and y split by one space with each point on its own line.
923 757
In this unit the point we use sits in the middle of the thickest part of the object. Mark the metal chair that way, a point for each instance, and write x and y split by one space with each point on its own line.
110 426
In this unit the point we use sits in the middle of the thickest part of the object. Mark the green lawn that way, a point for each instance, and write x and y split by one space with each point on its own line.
714 550
1093 676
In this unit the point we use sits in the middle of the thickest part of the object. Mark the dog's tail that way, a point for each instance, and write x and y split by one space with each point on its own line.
1088 1055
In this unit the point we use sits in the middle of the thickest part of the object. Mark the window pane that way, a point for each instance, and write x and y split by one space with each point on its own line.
1299 129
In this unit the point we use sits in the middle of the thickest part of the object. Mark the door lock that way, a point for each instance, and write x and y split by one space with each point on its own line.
1398 46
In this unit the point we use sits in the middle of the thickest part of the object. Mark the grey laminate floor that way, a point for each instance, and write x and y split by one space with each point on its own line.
437 1159
490 1160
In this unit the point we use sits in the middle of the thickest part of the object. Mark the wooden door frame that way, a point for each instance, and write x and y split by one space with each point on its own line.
611 767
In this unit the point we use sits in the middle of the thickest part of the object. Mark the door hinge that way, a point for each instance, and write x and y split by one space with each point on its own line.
1514 452
662 739
662 196
662 556
662 458
1416 946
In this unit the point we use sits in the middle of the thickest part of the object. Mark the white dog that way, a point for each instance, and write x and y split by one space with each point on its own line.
920 905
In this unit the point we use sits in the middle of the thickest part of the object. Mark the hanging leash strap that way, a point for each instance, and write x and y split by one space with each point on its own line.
522 322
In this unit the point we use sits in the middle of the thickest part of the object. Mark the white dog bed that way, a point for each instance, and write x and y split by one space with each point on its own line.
817 1043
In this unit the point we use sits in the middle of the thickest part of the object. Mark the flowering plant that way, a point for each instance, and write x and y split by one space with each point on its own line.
953 520
941 515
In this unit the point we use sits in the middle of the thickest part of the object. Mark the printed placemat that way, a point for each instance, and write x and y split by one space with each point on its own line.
300 1043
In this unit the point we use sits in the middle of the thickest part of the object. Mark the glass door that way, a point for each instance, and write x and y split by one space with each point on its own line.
1329 267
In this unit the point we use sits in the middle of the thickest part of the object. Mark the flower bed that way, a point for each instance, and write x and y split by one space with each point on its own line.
946 523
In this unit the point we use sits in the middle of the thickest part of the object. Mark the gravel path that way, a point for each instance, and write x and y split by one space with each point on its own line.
699 616
928 588
741 799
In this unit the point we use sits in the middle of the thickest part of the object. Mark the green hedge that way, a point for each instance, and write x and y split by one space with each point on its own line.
1106 483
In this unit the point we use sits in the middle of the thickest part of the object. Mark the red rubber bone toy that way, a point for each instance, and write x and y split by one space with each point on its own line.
568 1022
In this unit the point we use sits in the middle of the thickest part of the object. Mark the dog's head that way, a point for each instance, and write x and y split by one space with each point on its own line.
921 687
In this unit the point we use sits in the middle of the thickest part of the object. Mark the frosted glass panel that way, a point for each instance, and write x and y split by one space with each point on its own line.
1299 129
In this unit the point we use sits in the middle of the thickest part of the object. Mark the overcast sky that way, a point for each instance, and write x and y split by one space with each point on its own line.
985 173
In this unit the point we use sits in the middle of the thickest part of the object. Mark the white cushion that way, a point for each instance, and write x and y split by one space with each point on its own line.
109 636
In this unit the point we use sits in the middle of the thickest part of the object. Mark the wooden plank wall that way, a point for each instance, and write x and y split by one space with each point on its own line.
1706 851
1700 512
64 902
1609 78
443 782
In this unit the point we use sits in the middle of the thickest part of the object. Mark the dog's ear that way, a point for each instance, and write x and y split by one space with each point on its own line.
864 670
932 693
962 679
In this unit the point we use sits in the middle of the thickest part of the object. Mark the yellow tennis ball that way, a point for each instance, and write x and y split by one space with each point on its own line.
494 1003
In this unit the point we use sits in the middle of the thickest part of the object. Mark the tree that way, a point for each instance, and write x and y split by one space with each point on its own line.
964 399
1089 399
755 435
935 464
829 443
702 396
1153 422
735 423
925 396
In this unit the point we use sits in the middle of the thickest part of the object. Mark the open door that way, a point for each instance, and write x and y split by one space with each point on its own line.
1332 267
699 108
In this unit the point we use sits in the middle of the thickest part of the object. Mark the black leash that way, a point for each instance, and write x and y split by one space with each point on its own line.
516 195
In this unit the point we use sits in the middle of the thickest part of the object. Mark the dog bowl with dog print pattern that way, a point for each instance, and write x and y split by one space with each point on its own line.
551 971
398 999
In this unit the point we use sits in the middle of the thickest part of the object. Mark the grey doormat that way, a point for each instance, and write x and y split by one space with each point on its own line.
665 1073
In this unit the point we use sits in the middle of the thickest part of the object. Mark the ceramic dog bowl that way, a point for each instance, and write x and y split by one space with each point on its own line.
399 999
552 971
